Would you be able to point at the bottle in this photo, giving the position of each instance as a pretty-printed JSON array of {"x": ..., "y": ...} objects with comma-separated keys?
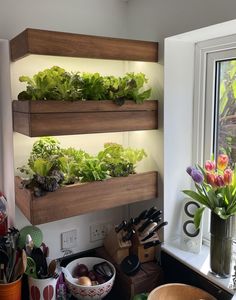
[{"x": 3, "y": 215}]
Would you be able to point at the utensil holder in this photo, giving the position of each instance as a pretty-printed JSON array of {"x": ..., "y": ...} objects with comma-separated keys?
[
  {"x": 115, "y": 246},
  {"x": 11, "y": 291},
  {"x": 42, "y": 289}
]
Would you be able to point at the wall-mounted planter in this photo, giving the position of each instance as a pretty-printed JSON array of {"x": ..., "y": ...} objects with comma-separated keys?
[
  {"x": 79, "y": 199},
  {"x": 42, "y": 118},
  {"x": 44, "y": 42}
]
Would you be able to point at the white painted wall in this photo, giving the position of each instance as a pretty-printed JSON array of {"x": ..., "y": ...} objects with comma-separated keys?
[
  {"x": 158, "y": 19},
  {"x": 96, "y": 17}
]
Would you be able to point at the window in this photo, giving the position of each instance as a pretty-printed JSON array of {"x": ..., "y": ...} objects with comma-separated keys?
[{"x": 215, "y": 104}]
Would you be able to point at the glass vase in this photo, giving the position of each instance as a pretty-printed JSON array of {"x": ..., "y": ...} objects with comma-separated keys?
[{"x": 221, "y": 246}]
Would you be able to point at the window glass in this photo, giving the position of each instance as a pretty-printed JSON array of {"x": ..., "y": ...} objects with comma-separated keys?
[{"x": 225, "y": 125}]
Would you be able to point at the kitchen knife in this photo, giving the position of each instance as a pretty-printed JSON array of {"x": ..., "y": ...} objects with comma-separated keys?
[
  {"x": 151, "y": 244},
  {"x": 128, "y": 235},
  {"x": 151, "y": 211},
  {"x": 121, "y": 226},
  {"x": 156, "y": 214},
  {"x": 129, "y": 225},
  {"x": 151, "y": 227},
  {"x": 145, "y": 225},
  {"x": 161, "y": 225},
  {"x": 142, "y": 216},
  {"x": 151, "y": 233}
]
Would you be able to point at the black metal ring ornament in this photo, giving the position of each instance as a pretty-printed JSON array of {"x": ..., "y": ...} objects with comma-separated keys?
[
  {"x": 186, "y": 208},
  {"x": 186, "y": 231}
]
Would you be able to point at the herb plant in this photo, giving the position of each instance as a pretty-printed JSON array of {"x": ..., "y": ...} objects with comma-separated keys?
[
  {"x": 50, "y": 166},
  {"x": 57, "y": 84}
]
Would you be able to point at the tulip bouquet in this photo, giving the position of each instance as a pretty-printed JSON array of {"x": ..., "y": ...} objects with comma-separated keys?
[{"x": 215, "y": 188}]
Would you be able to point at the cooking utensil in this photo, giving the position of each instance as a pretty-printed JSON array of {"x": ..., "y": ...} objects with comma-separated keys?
[
  {"x": 3, "y": 278},
  {"x": 161, "y": 225},
  {"x": 149, "y": 229},
  {"x": 142, "y": 216},
  {"x": 145, "y": 225},
  {"x": 151, "y": 211},
  {"x": 128, "y": 235},
  {"x": 156, "y": 214},
  {"x": 121, "y": 226},
  {"x": 31, "y": 267},
  {"x": 20, "y": 266},
  {"x": 151, "y": 244},
  {"x": 40, "y": 261},
  {"x": 129, "y": 224},
  {"x": 35, "y": 233},
  {"x": 29, "y": 244}
]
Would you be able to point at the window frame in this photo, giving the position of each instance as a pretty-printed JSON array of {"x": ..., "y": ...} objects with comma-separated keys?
[{"x": 207, "y": 53}]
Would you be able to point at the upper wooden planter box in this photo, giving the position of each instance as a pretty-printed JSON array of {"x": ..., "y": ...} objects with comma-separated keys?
[
  {"x": 35, "y": 41},
  {"x": 42, "y": 118},
  {"x": 77, "y": 199}
]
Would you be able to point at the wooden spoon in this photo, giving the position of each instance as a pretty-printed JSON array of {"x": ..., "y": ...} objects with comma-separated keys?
[{"x": 20, "y": 266}]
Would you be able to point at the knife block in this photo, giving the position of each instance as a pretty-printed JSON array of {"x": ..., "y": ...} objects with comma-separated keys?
[
  {"x": 115, "y": 246},
  {"x": 137, "y": 248}
]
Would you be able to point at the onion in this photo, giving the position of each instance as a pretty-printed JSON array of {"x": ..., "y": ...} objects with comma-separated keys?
[
  {"x": 81, "y": 270},
  {"x": 92, "y": 275},
  {"x": 84, "y": 280}
]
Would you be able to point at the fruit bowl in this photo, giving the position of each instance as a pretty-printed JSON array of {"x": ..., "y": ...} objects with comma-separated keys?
[{"x": 83, "y": 292}]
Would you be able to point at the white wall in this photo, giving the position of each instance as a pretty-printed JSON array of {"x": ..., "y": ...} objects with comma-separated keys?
[
  {"x": 158, "y": 19},
  {"x": 96, "y": 17}
]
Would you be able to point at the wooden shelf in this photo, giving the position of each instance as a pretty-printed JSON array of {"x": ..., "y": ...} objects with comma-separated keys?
[
  {"x": 35, "y": 41},
  {"x": 77, "y": 199},
  {"x": 42, "y": 118}
]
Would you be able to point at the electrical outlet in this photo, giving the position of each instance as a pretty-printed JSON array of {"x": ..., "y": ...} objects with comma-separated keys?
[
  {"x": 99, "y": 231},
  {"x": 69, "y": 239}
]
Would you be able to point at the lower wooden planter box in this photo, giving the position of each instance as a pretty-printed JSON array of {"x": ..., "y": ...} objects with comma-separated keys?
[
  {"x": 77, "y": 199},
  {"x": 42, "y": 118}
]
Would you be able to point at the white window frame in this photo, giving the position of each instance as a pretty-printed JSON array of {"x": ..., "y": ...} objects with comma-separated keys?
[{"x": 207, "y": 53}]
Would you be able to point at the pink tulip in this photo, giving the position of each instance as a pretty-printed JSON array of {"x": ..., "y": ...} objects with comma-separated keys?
[
  {"x": 210, "y": 165},
  {"x": 222, "y": 161},
  {"x": 219, "y": 181},
  {"x": 228, "y": 176},
  {"x": 210, "y": 179}
]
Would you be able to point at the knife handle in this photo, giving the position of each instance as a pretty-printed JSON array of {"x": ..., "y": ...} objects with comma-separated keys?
[
  {"x": 142, "y": 216},
  {"x": 161, "y": 225},
  {"x": 145, "y": 225},
  {"x": 128, "y": 235},
  {"x": 128, "y": 226},
  {"x": 151, "y": 211},
  {"x": 120, "y": 226},
  {"x": 151, "y": 234},
  {"x": 156, "y": 214}
]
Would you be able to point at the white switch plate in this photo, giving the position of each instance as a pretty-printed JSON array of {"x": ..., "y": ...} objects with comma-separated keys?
[{"x": 69, "y": 239}]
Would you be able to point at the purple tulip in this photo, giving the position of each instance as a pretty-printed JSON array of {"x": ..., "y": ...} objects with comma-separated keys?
[
  {"x": 189, "y": 170},
  {"x": 197, "y": 176}
]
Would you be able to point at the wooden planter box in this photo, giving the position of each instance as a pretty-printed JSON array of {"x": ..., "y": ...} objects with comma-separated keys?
[
  {"x": 77, "y": 199},
  {"x": 42, "y": 118}
]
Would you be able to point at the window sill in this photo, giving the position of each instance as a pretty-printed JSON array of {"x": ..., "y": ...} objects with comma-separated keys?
[{"x": 197, "y": 262}]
